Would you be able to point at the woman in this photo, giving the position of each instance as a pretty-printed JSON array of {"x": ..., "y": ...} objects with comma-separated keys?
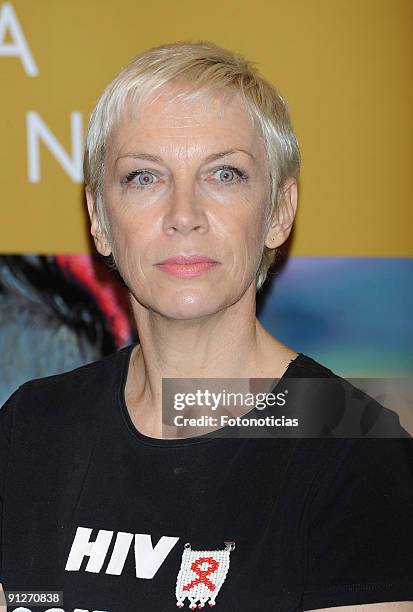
[{"x": 191, "y": 167}]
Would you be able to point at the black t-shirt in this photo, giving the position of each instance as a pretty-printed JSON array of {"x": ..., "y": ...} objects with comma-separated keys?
[{"x": 120, "y": 521}]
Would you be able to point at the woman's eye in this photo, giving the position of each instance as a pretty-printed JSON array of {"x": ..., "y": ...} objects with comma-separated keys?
[
  {"x": 229, "y": 174},
  {"x": 144, "y": 178}
]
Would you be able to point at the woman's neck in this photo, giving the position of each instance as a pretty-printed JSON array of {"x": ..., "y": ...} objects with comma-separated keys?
[{"x": 220, "y": 346}]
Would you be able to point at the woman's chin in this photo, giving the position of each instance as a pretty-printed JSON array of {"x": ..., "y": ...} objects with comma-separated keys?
[{"x": 190, "y": 305}]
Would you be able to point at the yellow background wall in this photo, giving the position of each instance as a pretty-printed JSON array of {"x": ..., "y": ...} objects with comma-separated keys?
[{"x": 345, "y": 67}]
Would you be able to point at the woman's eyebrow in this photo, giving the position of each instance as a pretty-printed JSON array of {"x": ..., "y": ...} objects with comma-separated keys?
[
  {"x": 215, "y": 156},
  {"x": 146, "y": 156},
  {"x": 209, "y": 158}
]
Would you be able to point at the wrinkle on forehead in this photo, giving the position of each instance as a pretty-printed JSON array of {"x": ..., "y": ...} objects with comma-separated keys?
[{"x": 191, "y": 109}]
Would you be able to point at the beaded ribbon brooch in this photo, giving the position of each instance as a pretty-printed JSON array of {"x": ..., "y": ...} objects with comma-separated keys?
[{"x": 201, "y": 575}]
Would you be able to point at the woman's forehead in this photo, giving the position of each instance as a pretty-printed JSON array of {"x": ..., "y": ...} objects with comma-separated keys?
[
  {"x": 181, "y": 100},
  {"x": 166, "y": 115}
]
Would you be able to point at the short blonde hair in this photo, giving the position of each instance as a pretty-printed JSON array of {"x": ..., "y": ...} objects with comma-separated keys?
[{"x": 200, "y": 67}]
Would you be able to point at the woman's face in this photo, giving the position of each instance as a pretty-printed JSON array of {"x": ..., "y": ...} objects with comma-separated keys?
[{"x": 181, "y": 179}]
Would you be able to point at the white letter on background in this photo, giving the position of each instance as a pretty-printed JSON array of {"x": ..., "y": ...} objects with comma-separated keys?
[
  {"x": 19, "y": 46},
  {"x": 120, "y": 552},
  {"x": 148, "y": 560},
  {"x": 82, "y": 547},
  {"x": 37, "y": 130}
]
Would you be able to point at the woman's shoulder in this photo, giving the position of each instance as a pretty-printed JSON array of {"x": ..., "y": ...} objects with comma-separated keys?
[
  {"x": 78, "y": 391},
  {"x": 342, "y": 407},
  {"x": 304, "y": 365}
]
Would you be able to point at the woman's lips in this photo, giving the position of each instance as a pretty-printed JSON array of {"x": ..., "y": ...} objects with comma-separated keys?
[{"x": 187, "y": 266}]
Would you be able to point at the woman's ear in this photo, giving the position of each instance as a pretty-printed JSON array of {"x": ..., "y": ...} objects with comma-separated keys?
[
  {"x": 284, "y": 218},
  {"x": 99, "y": 235}
]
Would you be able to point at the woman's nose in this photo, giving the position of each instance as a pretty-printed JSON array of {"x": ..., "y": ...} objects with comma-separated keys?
[{"x": 185, "y": 211}]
